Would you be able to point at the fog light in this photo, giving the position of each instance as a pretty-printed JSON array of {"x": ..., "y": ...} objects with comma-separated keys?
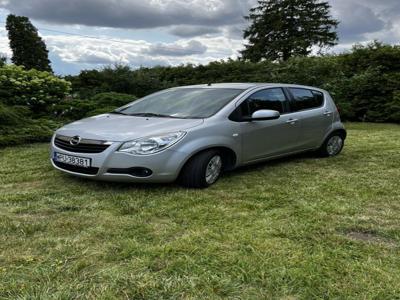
[{"x": 134, "y": 171}]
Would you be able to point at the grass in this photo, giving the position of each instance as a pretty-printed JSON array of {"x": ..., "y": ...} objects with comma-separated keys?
[{"x": 297, "y": 228}]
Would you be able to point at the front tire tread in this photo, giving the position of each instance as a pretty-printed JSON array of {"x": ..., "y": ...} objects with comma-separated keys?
[{"x": 193, "y": 173}]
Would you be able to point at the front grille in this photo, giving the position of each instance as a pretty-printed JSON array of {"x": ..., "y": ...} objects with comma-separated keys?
[
  {"x": 76, "y": 169},
  {"x": 84, "y": 146}
]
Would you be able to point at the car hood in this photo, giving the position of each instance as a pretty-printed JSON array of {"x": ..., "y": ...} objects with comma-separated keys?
[{"x": 119, "y": 128}]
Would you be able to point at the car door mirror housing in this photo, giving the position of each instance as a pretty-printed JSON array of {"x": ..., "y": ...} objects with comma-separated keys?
[{"x": 264, "y": 115}]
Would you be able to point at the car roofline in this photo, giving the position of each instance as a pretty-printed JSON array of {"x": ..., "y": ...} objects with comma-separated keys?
[{"x": 249, "y": 86}]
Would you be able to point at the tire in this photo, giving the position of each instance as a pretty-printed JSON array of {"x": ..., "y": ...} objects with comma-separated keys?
[
  {"x": 194, "y": 173},
  {"x": 332, "y": 146}
]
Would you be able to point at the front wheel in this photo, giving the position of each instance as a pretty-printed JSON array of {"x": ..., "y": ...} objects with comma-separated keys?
[
  {"x": 202, "y": 170},
  {"x": 332, "y": 146}
]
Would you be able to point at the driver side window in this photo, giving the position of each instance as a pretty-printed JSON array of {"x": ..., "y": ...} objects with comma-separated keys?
[{"x": 273, "y": 99}]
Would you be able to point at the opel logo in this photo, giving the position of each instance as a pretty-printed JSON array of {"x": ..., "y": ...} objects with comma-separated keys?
[{"x": 75, "y": 140}]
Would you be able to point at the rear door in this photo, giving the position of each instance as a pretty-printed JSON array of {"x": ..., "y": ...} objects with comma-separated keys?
[
  {"x": 262, "y": 139},
  {"x": 312, "y": 111}
]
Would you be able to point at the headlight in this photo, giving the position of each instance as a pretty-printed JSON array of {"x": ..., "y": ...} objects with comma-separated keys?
[{"x": 153, "y": 144}]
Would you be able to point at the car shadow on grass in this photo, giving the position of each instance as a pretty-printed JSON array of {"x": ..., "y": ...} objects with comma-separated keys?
[{"x": 248, "y": 169}]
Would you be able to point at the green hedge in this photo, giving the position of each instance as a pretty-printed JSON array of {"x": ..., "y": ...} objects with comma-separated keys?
[
  {"x": 39, "y": 130},
  {"x": 74, "y": 109},
  {"x": 365, "y": 82},
  {"x": 17, "y": 127}
]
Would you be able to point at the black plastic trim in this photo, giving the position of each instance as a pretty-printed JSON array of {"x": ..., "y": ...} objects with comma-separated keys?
[
  {"x": 76, "y": 169},
  {"x": 134, "y": 171}
]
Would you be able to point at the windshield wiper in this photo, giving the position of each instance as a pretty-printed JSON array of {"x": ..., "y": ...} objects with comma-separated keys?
[{"x": 152, "y": 115}]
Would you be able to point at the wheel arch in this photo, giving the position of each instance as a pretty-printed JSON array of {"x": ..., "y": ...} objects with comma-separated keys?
[
  {"x": 229, "y": 157},
  {"x": 340, "y": 131}
]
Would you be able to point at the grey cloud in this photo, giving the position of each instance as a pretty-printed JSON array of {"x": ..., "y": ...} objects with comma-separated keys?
[
  {"x": 132, "y": 13},
  {"x": 235, "y": 31},
  {"x": 94, "y": 58},
  {"x": 357, "y": 18},
  {"x": 191, "y": 31},
  {"x": 190, "y": 18},
  {"x": 192, "y": 48}
]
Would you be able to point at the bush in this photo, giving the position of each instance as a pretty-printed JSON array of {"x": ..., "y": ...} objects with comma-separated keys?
[
  {"x": 28, "y": 131},
  {"x": 118, "y": 78},
  {"x": 74, "y": 109},
  {"x": 392, "y": 108},
  {"x": 364, "y": 82},
  {"x": 34, "y": 89},
  {"x": 112, "y": 99},
  {"x": 16, "y": 127},
  {"x": 12, "y": 115}
]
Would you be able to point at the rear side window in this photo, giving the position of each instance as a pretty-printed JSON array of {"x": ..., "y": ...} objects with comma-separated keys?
[
  {"x": 273, "y": 99},
  {"x": 306, "y": 99}
]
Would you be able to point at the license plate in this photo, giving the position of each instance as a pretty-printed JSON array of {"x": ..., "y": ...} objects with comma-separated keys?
[{"x": 73, "y": 160}]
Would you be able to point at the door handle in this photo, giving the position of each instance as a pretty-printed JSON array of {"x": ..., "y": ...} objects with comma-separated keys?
[
  {"x": 327, "y": 113},
  {"x": 291, "y": 121}
]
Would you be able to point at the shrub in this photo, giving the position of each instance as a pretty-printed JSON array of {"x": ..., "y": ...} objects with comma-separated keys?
[
  {"x": 74, "y": 109},
  {"x": 35, "y": 89},
  {"x": 392, "y": 108},
  {"x": 16, "y": 127},
  {"x": 112, "y": 99},
  {"x": 28, "y": 131},
  {"x": 12, "y": 115},
  {"x": 364, "y": 82}
]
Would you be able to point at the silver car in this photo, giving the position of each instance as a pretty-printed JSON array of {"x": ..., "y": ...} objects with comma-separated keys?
[{"x": 195, "y": 133}]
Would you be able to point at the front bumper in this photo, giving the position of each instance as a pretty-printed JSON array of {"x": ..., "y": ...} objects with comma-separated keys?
[{"x": 165, "y": 166}]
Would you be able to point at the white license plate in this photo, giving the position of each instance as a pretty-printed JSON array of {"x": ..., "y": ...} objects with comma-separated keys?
[{"x": 73, "y": 160}]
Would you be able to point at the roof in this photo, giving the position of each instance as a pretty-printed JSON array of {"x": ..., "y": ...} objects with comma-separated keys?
[
  {"x": 241, "y": 86},
  {"x": 246, "y": 86}
]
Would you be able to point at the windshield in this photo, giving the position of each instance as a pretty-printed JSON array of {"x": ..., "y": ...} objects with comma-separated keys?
[{"x": 182, "y": 103}]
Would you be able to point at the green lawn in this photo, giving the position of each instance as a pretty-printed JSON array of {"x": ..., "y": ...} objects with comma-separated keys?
[{"x": 297, "y": 228}]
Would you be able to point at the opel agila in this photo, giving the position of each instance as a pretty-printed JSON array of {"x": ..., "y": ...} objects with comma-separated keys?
[{"x": 194, "y": 133}]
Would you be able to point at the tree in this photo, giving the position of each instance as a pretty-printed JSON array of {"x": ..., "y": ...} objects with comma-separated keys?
[
  {"x": 28, "y": 48},
  {"x": 3, "y": 60},
  {"x": 281, "y": 29}
]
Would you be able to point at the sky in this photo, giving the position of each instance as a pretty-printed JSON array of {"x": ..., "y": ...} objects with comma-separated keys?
[{"x": 89, "y": 34}]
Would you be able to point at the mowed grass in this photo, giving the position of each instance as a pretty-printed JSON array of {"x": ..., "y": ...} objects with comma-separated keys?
[{"x": 297, "y": 228}]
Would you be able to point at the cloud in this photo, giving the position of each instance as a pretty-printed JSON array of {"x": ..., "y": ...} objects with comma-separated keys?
[
  {"x": 93, "y": 53},
  {"x": 192, "y": 31},
  {"x": 235, "y": 31},
  {"x": 193, "y": 18},
  {"x": 356, "y": 20},
  {"x": 191, "y": 48},
  {"x": 132, "y": 13},
  {"x": 4, "y": 48}
]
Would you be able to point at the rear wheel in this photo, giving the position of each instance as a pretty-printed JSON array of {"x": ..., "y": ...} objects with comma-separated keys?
[
  {"x": 202, "y": 170},
  {"x": 332, "y": 146}
]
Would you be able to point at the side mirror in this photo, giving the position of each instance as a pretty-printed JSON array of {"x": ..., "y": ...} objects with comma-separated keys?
[{"x": 264, "y": 115}]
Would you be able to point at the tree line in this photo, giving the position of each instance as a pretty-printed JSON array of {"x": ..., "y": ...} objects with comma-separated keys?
[{"x": 365, "y": 82}]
